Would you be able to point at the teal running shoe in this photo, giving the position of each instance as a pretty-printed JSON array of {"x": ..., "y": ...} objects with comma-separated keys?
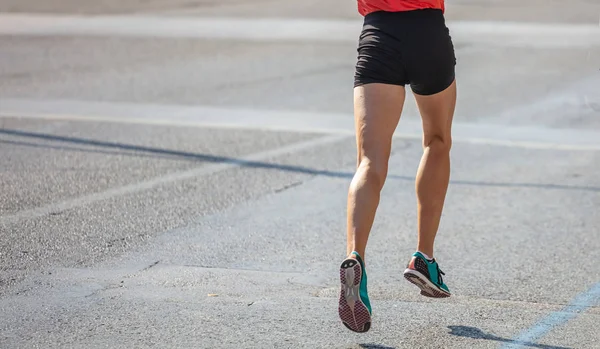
[
  {"x": 426, "y": 275},
  {"x": 354, "y": 306}
]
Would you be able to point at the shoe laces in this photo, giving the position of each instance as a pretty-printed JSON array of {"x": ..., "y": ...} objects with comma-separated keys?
[{"x": 440, "y": 273}]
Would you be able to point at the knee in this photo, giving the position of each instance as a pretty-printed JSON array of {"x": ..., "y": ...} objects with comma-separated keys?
[
  {"x": 438, "y": 143},
  {"x": 372, "y": 173}
]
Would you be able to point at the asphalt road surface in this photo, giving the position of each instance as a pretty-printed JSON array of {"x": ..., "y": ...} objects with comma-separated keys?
[{"x": 173, "y": 174}]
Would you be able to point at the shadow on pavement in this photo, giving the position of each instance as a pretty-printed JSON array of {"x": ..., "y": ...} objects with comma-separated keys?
[
  {"x": 475, "y": 333},
  {"x": 176, "y": 154},
  {"x": 374, "y": 346}
]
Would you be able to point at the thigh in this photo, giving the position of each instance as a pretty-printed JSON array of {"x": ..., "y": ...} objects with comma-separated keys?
[
  {"x": 437, "y": 112},
  {"x": 377, "y": 110},
  {"x": 431, "y": 65}
]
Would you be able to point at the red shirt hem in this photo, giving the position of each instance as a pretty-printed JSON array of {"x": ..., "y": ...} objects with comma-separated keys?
[{"x": 368, "y": 6}]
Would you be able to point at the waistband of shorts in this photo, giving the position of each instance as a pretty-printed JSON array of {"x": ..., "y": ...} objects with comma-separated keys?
[{"x": 420, "y": 13}]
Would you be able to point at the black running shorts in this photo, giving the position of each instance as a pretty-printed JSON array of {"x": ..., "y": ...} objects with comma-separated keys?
[{"x": 411, "y": 47}]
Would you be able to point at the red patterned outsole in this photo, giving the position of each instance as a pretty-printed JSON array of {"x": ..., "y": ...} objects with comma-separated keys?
[
  {"x": 426, "y": 290},
  {"x": 358, "y": 320}
]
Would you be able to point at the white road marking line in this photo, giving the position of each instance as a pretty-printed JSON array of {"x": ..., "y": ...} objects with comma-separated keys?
[
  {"x": 279, "y": 29},
  {"x": 294, "y": 121},
  {"x": 169, "y": 178},
  {"x": 578, "y": 305},
  {"x": 174, "y": 122}
]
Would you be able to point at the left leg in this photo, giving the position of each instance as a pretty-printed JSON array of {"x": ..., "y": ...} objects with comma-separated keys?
[
  {"x": 377, "y": 109},
  {"x": 377, "y": 112},
  {"x": 379, "y": 95}
]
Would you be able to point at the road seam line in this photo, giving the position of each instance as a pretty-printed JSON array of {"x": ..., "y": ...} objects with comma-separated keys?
[
  {"x": 166, "y": 179},
  {"x": 540, "y": 145}
]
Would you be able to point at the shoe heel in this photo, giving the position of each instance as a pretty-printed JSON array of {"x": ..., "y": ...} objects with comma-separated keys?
[{"x": 353, "y": 313}]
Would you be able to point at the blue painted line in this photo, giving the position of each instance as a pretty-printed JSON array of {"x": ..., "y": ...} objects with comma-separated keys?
[{"x": 579, "y": 304}]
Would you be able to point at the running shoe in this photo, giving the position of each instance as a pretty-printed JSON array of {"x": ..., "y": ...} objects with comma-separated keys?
[
  {"x": 354, "y": 306},
  {"x": 426, "y": 275}
]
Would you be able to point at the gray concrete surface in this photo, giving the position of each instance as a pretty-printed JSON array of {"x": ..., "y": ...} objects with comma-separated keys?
[{"x": 189, "y": 192}]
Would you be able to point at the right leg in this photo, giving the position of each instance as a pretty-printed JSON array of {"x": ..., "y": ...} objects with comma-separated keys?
[
  {"x": 431, "y": 64},
  {"x": 437, "y": 111},
  {"x": 433, "y": 174},
  {"x": 377, "y": 109}
]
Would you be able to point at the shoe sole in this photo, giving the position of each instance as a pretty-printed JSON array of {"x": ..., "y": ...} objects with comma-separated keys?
[
  {"x": 353, "y": 312},
  {"x": 428, "y": 288}
]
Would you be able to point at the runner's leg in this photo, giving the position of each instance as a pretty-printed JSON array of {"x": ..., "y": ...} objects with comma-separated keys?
[
  {"x": 377, "y": 112},
  {"x": 433, "y": 174}
]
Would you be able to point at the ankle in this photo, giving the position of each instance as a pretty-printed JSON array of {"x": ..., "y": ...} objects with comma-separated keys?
[
  {"x": 428, "y": 256},
  {"x": 355, "y": 253}
]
